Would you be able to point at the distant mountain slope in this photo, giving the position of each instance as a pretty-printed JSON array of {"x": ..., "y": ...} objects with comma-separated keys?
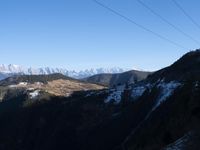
[
  {"x": 3, "y": 76},
  {"x": 55, "y": 84},
  {"x": 16, "y": 79},
  {"x": 120, "y": 78},
  {"x": 8, "y": 70}
]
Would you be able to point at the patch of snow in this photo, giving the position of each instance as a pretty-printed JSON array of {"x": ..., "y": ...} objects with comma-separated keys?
[
  {"x": 120, "y": 88},
  {"x": 30, "y": 89},
  {"x": 23, "y": 83},
  {"x": 68, "y": 94},
  {"x": 90, "y": 94},
  {"x": 116, "y": 96},
  {"x": 112, "y": 90},
  {"x": 18, "y": 85},
  {"x": 167, "y": 90},
  {"x": 34, "y": 94},
  {"x": 180, "y": 143},
  {"x": 196, "y": 84},
  {"x": 138, "y": 91},
  {"x": 12, "y": 86},
  {"x": 38, "y": 83}
]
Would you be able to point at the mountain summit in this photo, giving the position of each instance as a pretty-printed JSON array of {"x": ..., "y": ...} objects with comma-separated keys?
[{"x": 187, "y": 67}]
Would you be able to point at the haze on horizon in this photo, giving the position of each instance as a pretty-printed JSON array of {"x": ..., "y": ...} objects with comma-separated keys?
[{"x": 79, "y": 34}]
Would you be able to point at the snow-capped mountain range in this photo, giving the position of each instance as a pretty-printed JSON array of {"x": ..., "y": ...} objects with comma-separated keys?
[{"x": 16, "y": 69}]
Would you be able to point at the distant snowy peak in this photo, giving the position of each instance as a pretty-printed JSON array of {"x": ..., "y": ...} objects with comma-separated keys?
[
  {"x": 10, "y": 68},
  {"x": 16, "y": 69}
]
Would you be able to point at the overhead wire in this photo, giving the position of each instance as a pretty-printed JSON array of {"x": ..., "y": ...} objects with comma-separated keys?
[
  {"x": 186, "y": 14},
  {"x": 168, "y": 22},
  {"x": 138, "y": 25}
]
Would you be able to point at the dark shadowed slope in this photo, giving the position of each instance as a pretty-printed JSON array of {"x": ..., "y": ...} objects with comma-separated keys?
[
  {"x": 173, "y": 120},
  {"x": 120, "y": 78}
]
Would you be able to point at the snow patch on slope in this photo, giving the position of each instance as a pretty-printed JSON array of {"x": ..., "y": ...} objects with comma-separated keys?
[
  {"x": 34, "y": 94},
  {"x": 167, "y": 90},
  {"x": 196, "y": 84},
  {"x": 138, "y": 90},
  {"x": 23, "y": 83},
  {"x": 180, "y": 144},
  {"x": 116, "y": 95}
]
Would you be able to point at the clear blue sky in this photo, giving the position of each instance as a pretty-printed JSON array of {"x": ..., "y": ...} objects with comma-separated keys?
[{"x": 79, "y": 34}]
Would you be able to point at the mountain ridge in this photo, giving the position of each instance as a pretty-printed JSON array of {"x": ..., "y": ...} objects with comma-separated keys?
[
  {"x": 6, "y": 70},
  {"x": 53, "y": 84},
  {"x": 128, "y": 77}
]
